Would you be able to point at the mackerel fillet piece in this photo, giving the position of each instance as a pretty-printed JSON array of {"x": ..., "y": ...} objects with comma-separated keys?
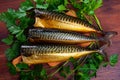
[
  {"x": 56, "y": 36},
  {"x": 53, "y": 20},
  {"x": 46, "y": 53}
]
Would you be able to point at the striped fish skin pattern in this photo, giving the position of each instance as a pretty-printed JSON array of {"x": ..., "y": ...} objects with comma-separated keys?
[
  {"x": 46, "y": 53},
  {"x": 55, "y": 36},
  {"x": 48, "y": 19}
]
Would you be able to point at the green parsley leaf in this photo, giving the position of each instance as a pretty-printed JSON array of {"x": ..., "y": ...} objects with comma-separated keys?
[
  {"x": 91, "y": 12},
  {"x": 20, "y": 36},
  {"x": 39, "y": 1},
  {"x": 63, "y": 74},
  {"x": 61, "y": 7},
  {"x": 22, "y": 66},
  {"x": 97, "y": 4},
  {"x": 82, "y": 76},
  {"x": 105, "y": 64},
  {"x": 85, "y": 68},
  {"x": 13, "y": 52},
  {"x": 11, "y": 67},
  {"x": 85, "y": 1},
  {"x": 40, "y": 4},
  {"x": 44, "y": 6},
  {"x": 113, "y": 59},
  {"x": 14, "y": 29},
  {"x": 8, "y": 40},
  {"x": 66, "y": 69},
  {"x": 53, "y": 4},
  {"x": 20, "y": 14},
  {"x": 43, "y": 72},
  {"x": 66, "y": 2},
  {"x": 27, "y": 5},
  {"x": 10, "y": 54},
  {"x": 24, "y": 22},
  {"x": 8, "y": 17},
  {"x": 92, "y": 67},
  {"x": 26, "y": 75},
  {"x": 73, "y": 61}
]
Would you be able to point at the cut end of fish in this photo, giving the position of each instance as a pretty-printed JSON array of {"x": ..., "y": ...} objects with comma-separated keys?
[{"x": 38, "y": 23}]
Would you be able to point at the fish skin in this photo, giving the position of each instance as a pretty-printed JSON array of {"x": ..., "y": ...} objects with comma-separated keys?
[
  {"x": 46, "y": 53},
  {"x": 53, "y": 20},
  {"x": 55, "y": 36}
]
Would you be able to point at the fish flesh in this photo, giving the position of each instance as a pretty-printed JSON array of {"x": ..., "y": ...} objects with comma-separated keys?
[
  {"x": 46, "y": 53},
  {"x": 56, "y": 36},
  {"x": 54, "y": 20}
]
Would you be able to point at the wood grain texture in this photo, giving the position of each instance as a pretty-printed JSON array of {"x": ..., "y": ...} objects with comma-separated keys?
[{"x": 109, "y": 16}]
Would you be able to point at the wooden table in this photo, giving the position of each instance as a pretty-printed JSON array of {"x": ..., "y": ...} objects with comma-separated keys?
[{"x": 109, "y": 16}]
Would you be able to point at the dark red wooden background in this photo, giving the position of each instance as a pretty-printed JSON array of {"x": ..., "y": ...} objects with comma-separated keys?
[{"x": 109, "y": 16}]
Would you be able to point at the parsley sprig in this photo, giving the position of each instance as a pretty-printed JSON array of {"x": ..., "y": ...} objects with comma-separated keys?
[{"x": 17, "y": 22}]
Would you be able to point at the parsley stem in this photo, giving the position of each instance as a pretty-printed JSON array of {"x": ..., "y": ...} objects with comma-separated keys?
[
  {"x": 72, "y": 71},
  {"x": 80, "y": 63},
  {"x": 98, "y": 22},
  {"x": 58, "y": 69},
  {"x": 83, "y": 60}
]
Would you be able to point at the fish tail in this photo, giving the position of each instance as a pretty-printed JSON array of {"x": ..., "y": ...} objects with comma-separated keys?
[
  {"x": 107, "y": 36},
  {"x": 101, "y": 49},
  {"x": 110, "y": 34},
  {"x": 103, "y": 52}
]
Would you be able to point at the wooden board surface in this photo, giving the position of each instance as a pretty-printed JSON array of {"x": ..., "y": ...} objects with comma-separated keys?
[{"x": 109, "y": 16}]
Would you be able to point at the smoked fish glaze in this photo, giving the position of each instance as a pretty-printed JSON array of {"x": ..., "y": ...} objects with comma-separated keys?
[
  {"x": 53, "y": 20},
  {"x": 55, "y": 36},
  {"x": 46, "y": 53}
]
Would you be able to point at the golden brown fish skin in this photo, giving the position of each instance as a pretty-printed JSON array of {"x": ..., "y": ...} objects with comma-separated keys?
[
  {"x": 52, "y": 53},
  {"x": 47, "y": 19},
  {"x": 55, "y": 36}
]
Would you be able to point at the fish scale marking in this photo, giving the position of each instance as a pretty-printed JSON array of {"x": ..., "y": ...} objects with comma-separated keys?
[
  {"x": 48, "y": 19},
  {"x": 38, "y": 35}
]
